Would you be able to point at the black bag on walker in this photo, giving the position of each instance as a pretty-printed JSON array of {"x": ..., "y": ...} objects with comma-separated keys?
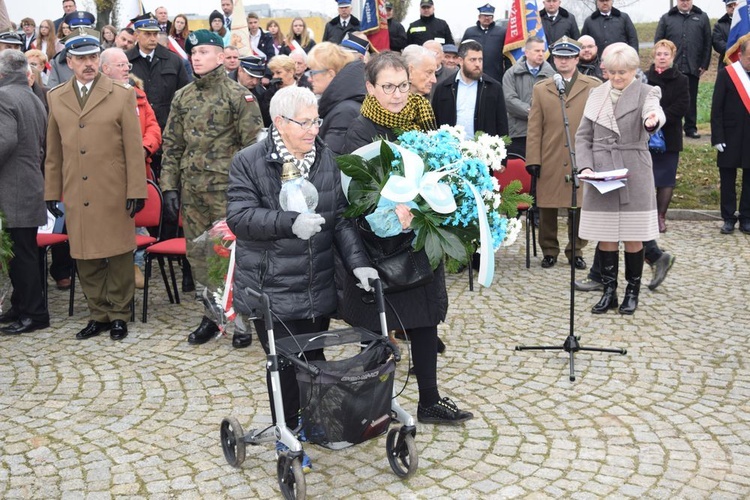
[{"x": 349, "y": 401}]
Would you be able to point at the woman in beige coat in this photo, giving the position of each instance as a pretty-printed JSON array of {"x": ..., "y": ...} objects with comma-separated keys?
[{"x": 614, "y": 132}]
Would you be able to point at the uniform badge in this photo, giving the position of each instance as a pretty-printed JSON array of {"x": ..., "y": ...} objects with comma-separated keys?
[
  {"x": 193, "y": 39},
  {"x": 249, "y": 98}
]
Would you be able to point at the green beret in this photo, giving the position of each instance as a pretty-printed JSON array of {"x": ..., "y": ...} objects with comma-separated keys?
[{"x": 203, "y": 37}]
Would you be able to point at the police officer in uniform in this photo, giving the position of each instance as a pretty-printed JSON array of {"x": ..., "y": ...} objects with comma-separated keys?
[
  {"x": 250, "y": 73},
  {"x": 211, "y": 119}
]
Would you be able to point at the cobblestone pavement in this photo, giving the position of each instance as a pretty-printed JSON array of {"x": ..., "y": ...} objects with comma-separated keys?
[{"x": 671, "y": 419}]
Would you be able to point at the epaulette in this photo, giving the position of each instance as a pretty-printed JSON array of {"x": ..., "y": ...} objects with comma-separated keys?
[
  {"x": 56, "y": 87},
  {"x": 123, "y": 84}
]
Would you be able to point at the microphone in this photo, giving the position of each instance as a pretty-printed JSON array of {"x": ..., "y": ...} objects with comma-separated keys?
[{"x": 559, "y": 82}]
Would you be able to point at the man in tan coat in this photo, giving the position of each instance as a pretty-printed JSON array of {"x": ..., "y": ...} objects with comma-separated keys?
[
  {"x": 546, "y": 153},
  {"x": 95, "y": 165}
]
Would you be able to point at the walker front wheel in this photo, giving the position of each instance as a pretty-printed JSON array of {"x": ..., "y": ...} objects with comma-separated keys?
[
  {"x": 232, "y": 441},
  {"x": 291, "y": 479},
  {"x": 402, "y": 453}
]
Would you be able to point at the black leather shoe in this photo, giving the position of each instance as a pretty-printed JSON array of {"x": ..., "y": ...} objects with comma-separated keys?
[
  {"x": 24, "y": 325},
  {"x": 119, "y": 330},
  {"x": 204, "y": 332},
  {"x": 745, "y": 227},
  {"x": 579, "y": 263},
  {"x": 693, "y": 135},
  {"x": 240, "y": 340},
  {"x": 9, "y": 317},
  {"x": 548, "y": 261},
  {"x": 661, "y": 267},
  {"x": 93, "y": 329},
  {"x": 727, "y": 228}
]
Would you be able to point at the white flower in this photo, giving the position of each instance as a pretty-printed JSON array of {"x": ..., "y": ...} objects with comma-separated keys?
[{"x": 512, "y": 232}]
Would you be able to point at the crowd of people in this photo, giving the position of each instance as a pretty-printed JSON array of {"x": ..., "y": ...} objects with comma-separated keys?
[{"x": 212, "y": 126}]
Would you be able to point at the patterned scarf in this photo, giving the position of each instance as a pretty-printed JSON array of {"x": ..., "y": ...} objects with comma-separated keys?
[
  {"x": 416, "y": 115},
  {"x": 303, "y": 164}
]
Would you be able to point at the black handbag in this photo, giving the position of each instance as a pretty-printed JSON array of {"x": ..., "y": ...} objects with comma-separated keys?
[{"x": 399, "y": 266}]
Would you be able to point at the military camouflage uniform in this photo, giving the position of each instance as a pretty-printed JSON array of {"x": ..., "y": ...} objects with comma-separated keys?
[{"x": 211, "y": 119}]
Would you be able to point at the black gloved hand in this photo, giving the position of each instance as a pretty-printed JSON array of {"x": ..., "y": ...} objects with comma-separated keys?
[
  {"x": 171, "y": 205},
  {"x": 134, "y": 205},
  {"x": 534, "y": 170},
  {"x": 52, "y": 207}
]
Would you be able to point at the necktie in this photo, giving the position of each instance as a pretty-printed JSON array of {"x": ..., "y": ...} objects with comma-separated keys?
[
  {"x": 150, "y": 58},
  {"x": 84, "y": 92},
  {"x": 229, "y": 23},
  {"x": 552, "y": 18},
  {"x": 534, "y": 71},
  {"x": 343, "y": 24}
]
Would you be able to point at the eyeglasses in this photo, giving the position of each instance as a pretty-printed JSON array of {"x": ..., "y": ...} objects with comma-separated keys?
[
  {"x": 307, "y": 124},
  {"x": 313, "y": 72},
  {"x": 123, "y": 65},
  {"x": 390, "y": 88}
]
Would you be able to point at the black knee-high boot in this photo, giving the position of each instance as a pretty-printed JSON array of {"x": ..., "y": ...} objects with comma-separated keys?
[
  {"x": 609, "y": 269},
  {"x": 633, "y": 272}
]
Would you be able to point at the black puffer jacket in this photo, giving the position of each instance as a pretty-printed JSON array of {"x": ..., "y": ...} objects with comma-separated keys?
[
  {"x": 296, "y": 274},
  {"x": 675, "y": 100},
  {"x": 340, "y": 104}
]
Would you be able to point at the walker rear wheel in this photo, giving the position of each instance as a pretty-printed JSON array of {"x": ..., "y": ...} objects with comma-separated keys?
[
  {"x": 402, "y": 453},
  {"x": 232, "y": 441},
  {"x": 291, "y": 479}
]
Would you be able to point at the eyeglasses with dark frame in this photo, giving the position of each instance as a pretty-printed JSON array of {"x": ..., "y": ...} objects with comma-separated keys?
[
  {"x": 390, "y": 88},
  {"x": 307, "y": 124}
]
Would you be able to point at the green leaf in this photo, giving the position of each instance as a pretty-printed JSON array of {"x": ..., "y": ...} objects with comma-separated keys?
[
  {"x": 386, "y": 161},
  {"x": 357, "y": 168}
]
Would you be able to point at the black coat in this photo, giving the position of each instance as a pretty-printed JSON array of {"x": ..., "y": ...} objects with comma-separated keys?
[
  {"x": 730, "y": 124},
  {"x": 419, "y": 307},
  {"x": 675, "y": 100},
  {"x": 265, "y": 44},
  {"x": 340, "y": 103},
  {"x": 490, "y": 115},
  {"x": 296, "y": 274},
  {"x": 565, "y": 24},
  {"x": 592, "y": 68},
  {"x": 606, "y": 30},
  {"x": 286, "y": 49},
  {"x": 428, "y": 28},
  {"x": 334, "y": 33},
  {"x": 165, "y": 76},
  {"x": 691, "y": 34},
  {"x": 396, "y": 35},
  {"x": 719, "y": 37},
  {"x": 492, "y": 41}
]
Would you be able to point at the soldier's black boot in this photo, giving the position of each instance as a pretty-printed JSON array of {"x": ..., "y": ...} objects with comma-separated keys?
[
  {"x": 204, "y": 332},
  {"x": 633, "y": 272},
  {"x": 188, "y": 285},
  {"x": 609, "y": 269}
]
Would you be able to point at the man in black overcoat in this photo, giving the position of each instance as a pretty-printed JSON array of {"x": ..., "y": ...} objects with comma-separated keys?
[{"x": 730, "y": 136}]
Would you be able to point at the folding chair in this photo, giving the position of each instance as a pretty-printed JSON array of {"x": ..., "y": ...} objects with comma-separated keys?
[
  {"x": 515, "y": 169},
  {"x": 170, "y": 249},
  {"x": 149, "y": 217}
]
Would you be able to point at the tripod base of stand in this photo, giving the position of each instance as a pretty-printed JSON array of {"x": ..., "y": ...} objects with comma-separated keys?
[{"x": 571, "y": 346}]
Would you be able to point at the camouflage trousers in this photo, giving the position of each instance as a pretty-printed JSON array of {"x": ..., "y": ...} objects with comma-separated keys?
[{"x": 199, "y": 212}]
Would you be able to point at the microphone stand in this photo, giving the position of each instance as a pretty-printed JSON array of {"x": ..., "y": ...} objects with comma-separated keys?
[{"x": 571, "y": 344}]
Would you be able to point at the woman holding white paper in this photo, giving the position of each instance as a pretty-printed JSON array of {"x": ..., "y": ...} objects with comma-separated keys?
[{"x": 614, "y": 132}]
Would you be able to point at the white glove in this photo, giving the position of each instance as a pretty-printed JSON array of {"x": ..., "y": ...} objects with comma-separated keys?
[
  {"x": 306, "y": 225},
  {"x": 364, "y": 275},
  {"x": 720, "y": 147}
]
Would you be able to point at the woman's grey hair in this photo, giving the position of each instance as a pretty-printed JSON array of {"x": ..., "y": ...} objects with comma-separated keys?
[
  {"x": 415, "y": 54},
  {"x": 290, "y": 100},
  {"x": 621, "y": 56},
  {"x": 12, "y": 62}
]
